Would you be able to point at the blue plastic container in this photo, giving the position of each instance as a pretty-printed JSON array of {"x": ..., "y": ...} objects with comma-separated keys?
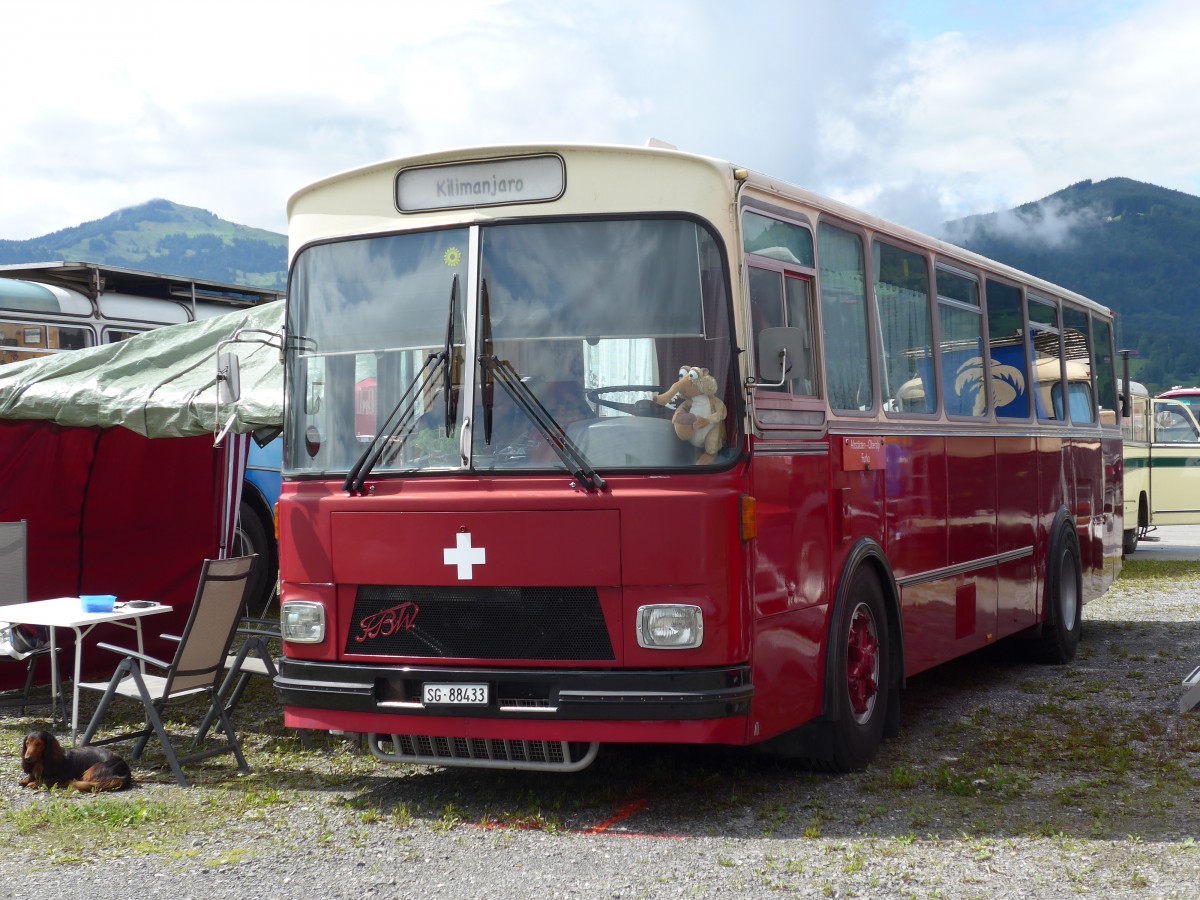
[{"x": 98, "y": 602}]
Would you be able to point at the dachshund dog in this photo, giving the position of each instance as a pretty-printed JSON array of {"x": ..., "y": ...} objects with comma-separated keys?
[{"x": 46, "y": 762}]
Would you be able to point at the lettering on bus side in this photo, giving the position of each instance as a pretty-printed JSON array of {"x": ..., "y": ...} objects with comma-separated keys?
[
  {"x": 863, "y": 454},
  {"x": 389, "y": 621}
]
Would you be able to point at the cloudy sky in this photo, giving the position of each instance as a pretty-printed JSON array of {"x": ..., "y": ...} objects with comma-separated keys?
[{"x": 916, "y": 110}]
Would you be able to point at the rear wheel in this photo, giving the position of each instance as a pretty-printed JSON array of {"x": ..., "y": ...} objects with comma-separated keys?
[
  {"x": 1064, "y": 598},
  {"x": 1130, "y": 541},
  {"x": 862, "y": 669},
  {"x": 252, "y": 537}
]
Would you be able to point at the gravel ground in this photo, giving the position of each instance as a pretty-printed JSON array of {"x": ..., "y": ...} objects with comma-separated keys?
[{"x": 1009, "y": 779}]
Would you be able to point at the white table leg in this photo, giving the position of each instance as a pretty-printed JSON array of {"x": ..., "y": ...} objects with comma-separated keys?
[
  {"x": 75, "y": 686},
  {"x": 55, "y": 682}
]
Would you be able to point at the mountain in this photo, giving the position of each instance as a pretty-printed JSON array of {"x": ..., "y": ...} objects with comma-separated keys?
[
  {"x": 161, "y": 236},
  {"x": 1132, "y": 246}
]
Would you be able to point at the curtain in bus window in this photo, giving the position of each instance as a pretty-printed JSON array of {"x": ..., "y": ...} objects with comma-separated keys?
[
  {"x": 905, "y": 330},
  {"x": 619, "y": 361},
  {"x": 634, "y": 278},
  {"x": 844, "y": 307}
]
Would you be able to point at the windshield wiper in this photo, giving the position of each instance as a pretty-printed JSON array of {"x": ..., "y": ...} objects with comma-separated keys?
[
  {"x": 400, "y": 419},
  {"x": 449, "y": 399},
  {"x": 487, "y": 388},
  {"x": 399, "y": 422},
  {"x": 493, "y": 370},
  {"x": 566, "y": 449}
]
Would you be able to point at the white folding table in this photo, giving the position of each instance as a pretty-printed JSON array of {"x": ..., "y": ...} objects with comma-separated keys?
[{"x": 67, "y": 612}]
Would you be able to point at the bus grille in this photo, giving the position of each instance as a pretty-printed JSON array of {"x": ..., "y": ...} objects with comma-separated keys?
[
  {"x": 544, "y": 623},
  {"x": 488, "y": 753}
]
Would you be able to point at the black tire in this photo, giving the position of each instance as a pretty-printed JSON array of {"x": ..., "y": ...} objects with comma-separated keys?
[
  {"x": 1129, "y": 541},
  {"x": 252, "y": 536},
  {"x": 862, "y": 672},
  {"x": 1063, "y": 598}
]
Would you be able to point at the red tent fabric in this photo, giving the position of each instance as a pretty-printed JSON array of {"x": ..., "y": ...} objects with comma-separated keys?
[{"x": 111, "y": 512}]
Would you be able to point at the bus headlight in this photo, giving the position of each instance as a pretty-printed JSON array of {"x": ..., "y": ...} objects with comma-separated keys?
[
  {"x": 302, "y": 622},
  {"x": 670, "y": 626}
]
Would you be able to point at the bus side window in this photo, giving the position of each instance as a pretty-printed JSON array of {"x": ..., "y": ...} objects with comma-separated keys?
[
  {"x": 778, "y": 299},
  {"x": 1173, "y": 424},
  {"x": 1047, "y": 359},
  {"x": 905, "y": 330},
  {"x": 1009, "y": 375},
  {"x": 961, "y": 322},
  {"x": 1080, "y": 367},
  {"x": 1106, "y": 374},
  {"x": 844, "y": 309}
]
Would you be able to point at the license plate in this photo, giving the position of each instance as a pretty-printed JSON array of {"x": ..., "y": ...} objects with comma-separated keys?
[{"x": 454, "y": 694}]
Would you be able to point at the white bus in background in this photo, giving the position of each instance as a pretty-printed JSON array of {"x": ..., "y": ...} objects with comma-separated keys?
[
  {"x": 1162, "y": 463},
  {"x": 51, "y": 307}
]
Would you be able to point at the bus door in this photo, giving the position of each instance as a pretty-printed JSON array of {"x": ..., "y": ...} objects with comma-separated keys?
[{"x": 789, "y": 565}]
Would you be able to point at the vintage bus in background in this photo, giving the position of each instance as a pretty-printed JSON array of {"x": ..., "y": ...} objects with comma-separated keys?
[
  {"x": 666, "y": 450},
  {"x": 1162, "y": 460},
  {"x": 50, "y": 307}
]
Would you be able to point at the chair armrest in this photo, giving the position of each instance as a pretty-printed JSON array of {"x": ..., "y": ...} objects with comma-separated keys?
[
  {"x": 133, "y": 654},
  {"x": 262, "y": 627}
]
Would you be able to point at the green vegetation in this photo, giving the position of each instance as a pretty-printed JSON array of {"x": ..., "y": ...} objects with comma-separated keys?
[
  {"x": 1128, "y": 245},
  {"x": 165, "y": 237}
]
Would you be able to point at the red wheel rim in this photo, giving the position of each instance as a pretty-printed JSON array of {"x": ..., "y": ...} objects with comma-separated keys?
[{"x": 862, "y": 663}]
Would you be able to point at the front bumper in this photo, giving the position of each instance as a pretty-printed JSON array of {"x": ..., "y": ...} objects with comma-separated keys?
[{"x": 521, "y": 694}]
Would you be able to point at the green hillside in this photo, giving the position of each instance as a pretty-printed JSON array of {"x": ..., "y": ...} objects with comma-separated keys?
[
  {"x": 1134, "y": 247},
  {"x": 165, "y": 237}
]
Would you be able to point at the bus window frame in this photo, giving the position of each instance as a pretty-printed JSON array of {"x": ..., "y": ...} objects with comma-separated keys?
[{"x": 1036, "y": 328}]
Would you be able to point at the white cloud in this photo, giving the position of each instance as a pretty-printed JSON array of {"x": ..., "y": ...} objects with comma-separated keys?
[{"x": 241, "y": 104}]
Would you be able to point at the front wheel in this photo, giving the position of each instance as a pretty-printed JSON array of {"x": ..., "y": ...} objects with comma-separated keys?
[{"x": 862, "y": 667}]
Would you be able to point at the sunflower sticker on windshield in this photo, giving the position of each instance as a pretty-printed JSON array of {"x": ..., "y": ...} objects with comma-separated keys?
[{"x": 452, "y": 257}]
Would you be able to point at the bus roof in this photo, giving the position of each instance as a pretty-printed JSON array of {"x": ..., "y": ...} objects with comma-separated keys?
[
  {"x": 94, "y": 278},
  {"x": 765, "y": 185}
]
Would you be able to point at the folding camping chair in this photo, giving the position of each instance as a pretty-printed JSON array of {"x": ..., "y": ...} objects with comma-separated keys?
[
  {"x": 196, "y": 668},
  {"x": 14, "y": 589},
  {"x": 252, "y": 658}
]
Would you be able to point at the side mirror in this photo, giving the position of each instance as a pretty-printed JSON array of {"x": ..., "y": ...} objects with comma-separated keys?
[
  {"x": 782, "y": 353},
  {"x": 229, "y": 377}
]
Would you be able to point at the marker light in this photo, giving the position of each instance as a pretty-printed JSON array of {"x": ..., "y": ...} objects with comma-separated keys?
[
  {"x": 302, "y": 622},
  {"x": 670, "y": 626}
]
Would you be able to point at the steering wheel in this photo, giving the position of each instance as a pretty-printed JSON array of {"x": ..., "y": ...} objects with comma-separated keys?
[{"x": 645, "y": 407}]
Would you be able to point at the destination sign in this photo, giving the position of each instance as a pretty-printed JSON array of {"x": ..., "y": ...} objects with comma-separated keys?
[{"x": 496, "y": 182}]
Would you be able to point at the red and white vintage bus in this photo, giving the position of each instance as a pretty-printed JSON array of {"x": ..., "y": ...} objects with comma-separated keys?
[{"x": 666, "y": 450}]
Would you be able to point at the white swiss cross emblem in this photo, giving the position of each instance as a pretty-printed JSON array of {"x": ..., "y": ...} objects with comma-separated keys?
[{"x": 463, "y": 555}]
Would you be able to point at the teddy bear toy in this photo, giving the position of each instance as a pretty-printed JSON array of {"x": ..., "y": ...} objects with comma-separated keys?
[{"x": 700, "y": 417}]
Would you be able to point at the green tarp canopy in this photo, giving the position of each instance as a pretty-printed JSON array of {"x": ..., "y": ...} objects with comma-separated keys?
[{"x": 159, "y": 384}]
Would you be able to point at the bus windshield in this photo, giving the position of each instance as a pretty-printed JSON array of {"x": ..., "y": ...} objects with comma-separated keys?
[{"x": 532, "y": 345}]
